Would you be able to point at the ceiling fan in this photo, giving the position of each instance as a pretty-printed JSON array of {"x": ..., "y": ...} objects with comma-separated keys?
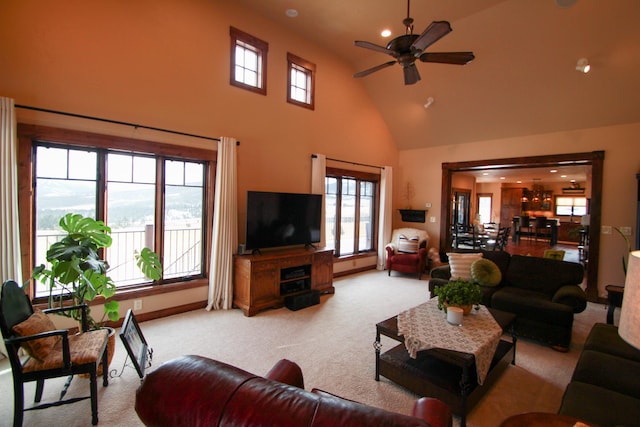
[{"x": 409, "y": 47}]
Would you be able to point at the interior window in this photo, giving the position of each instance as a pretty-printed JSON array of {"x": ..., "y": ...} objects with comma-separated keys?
[
  {"x": 484, "y": 208},
  {"x": 350, "y": 211},
  {"x": 248, "y": 62},
  {"x": 301, "y": 81},
  {"x": 571, "y": 206},
  {"x": 137, "y": 191}
]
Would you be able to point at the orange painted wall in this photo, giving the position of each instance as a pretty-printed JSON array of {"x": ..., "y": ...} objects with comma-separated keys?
[{"x": 165, "y": 63}]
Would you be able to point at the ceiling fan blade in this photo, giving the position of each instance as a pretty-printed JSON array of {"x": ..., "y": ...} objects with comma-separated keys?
[
  {"x": 411, "y": 75},
  {"x": 434, "y": 32},
  {"x": 373, "y": 46},
  {"x": 457, "y": 58},
  {"x": 374, "y": 69}
]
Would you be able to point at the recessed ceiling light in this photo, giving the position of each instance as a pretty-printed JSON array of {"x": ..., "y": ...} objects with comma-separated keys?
[
  {"x": 519, "y": 182},
  {"x": 385, "y": 33},
  {"x": 291, "y": 13},
  {"x": 502, "y": 177},
  {"x": 583, "y": 65},
  {"x": 565, "y": 3},
  {"x": 553, "y": 170},
  {"x": 563, "y": 176},
  {"x": 485, "y": 173}
]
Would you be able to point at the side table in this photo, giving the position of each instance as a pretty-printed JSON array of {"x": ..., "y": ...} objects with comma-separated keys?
[{"x": 614, "y": 295}]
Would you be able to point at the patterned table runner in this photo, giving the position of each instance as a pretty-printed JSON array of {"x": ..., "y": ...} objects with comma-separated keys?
[{"x": 425, "y": 327}]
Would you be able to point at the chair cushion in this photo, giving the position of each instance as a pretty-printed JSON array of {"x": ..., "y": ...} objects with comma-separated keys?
[
  {"x": 84, "y": 348},
  {"x": 37, "y": 323},
  {"x": 408, "y": 244},
  {"x": 460, "y": 264},
  {"x": 486, "y": 272}
]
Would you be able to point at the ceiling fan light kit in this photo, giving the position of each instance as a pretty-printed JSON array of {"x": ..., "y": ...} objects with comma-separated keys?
[{"x": 406, "y": 49}]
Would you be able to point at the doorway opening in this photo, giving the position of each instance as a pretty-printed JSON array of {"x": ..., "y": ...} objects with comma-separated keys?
[{"x": 595, "y": 159}]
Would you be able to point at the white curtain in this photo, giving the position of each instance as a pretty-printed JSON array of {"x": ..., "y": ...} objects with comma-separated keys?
[
  {"x": 225, "y": 228},
  {"x": 318, "y": 174},
  {"x": 10, "y": 261},
  {"x": 384, "y": 229}
]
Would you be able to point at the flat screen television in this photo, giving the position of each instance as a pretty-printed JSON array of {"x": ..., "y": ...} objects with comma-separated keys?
[{"x": 282, "y": 219}]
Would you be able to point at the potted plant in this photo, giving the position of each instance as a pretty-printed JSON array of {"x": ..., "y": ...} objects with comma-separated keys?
[
  {"x": 77, "y": 275},
  {"x": 460, "y": 293}
]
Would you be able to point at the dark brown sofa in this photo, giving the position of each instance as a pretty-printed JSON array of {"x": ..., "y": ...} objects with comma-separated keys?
[
  {"x": 197, "y": 391},
  {"x": 604, "y": 389},
  {"x": 543, "y": 293}
]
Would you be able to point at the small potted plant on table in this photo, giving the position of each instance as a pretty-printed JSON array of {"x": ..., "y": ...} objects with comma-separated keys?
[{"x": 459, "y": 293}]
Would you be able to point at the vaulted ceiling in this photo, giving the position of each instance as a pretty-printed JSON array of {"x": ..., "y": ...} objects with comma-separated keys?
[{"x": 522, "y": 82}]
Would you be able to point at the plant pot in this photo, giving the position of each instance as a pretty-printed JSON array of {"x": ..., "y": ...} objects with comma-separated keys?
[{"x": 466, "y": 309}]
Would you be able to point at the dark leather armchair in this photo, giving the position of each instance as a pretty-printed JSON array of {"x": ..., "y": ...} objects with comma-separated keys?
[
  {"x": 197, "y": 391},
  {"x": 407, "y": 251},
  {"x": 52, "y": 352}
]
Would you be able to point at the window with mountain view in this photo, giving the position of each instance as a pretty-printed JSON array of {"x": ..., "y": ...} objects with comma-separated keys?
[{"x": 147, "y": 200}]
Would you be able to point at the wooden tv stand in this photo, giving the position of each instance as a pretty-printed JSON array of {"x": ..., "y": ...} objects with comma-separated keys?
[{"x": 263, "y": 281}]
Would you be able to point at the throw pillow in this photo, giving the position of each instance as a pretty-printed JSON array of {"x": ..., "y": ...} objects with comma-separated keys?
[
  {"x": 460, "y": 264},
  {"x": 486, "y": 272},
  {"x": 408, "y": 245},
  {"x": 37, "y": 323}
]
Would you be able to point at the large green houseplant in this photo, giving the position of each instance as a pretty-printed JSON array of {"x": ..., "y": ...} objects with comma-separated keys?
[
  {"x": 78, "y": 275},
  {"x": 459, "y": 293}
]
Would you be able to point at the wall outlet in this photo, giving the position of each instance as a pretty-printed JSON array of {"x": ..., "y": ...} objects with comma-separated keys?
[
  {"x": 427, "y": 205},
  {"x": 625, "y": 231},
  {"x": 137, "y": 304},
  {"x": 605, "y": 229},
  {"x": 432, "y": 219}
]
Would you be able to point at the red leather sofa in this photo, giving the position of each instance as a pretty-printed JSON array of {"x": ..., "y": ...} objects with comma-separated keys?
[{"x": 197, "y": 391}]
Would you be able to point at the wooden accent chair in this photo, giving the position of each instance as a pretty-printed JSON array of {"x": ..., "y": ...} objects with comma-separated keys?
[
  {"x": 52, "y": 352},
  {"x": 407, "y": 251}
]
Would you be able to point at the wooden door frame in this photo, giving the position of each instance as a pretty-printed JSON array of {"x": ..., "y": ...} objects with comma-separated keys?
[{"x": 593, "y": 158}]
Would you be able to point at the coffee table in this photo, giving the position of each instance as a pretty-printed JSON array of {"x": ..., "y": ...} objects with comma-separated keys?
[
  {"x": 542, "y": 419},
  {"x": 444, "y": 374}
]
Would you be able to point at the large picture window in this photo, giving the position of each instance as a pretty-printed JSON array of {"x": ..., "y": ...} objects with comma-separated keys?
[
  {"x": 351, "y": 211},
  {"x": 158, "y": 200}
]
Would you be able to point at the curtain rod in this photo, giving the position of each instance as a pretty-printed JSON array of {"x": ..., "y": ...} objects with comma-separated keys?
[
  {"x": 351, "y": 163},
  {"x": 117, "y": 122}
]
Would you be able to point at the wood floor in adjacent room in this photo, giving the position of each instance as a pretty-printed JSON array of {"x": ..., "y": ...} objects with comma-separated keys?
[{"x": 537, "y": 247}]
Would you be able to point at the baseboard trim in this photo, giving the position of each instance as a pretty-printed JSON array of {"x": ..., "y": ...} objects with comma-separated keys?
[
  {"x": 169, "y": 311},
  {"x": 353, "y": 271}
]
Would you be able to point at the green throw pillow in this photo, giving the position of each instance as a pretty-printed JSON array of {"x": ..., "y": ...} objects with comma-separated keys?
[{"x": 486, "y": 272}]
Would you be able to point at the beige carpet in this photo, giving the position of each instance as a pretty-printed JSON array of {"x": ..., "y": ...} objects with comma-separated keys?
[{"x": 331, "y": 341}]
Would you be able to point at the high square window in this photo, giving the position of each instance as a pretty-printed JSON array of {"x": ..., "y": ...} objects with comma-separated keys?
[
  {"x": 301, "y": 81},
  {"x": 248, "y": 62}
]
